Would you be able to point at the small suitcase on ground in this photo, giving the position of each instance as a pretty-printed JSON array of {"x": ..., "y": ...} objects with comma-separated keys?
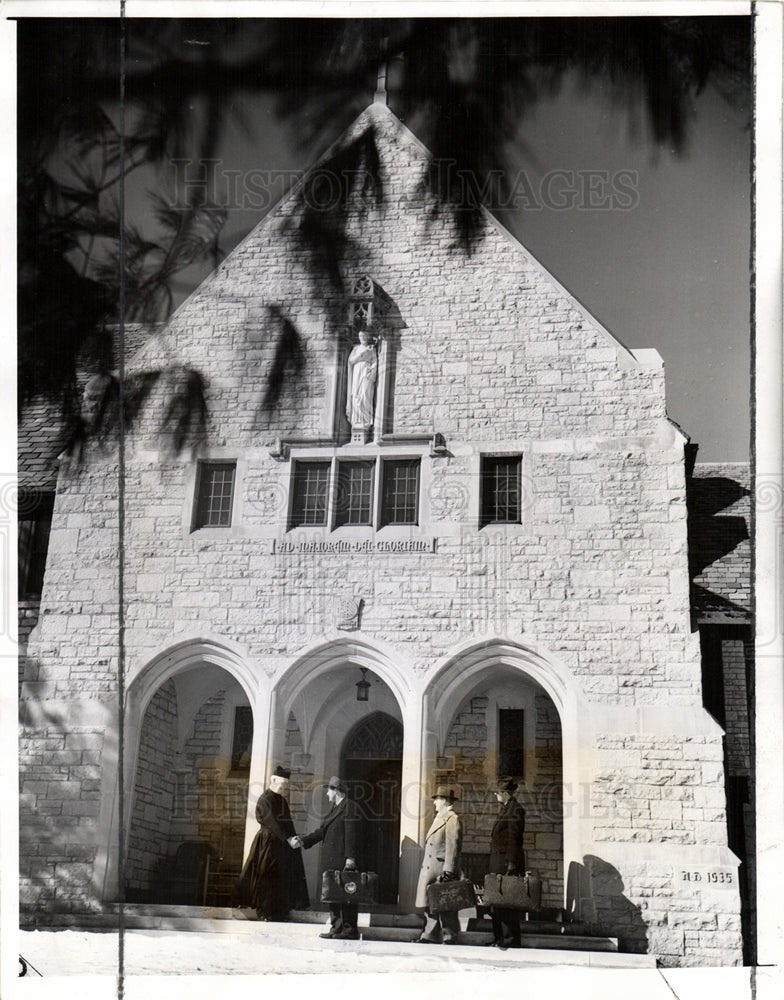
[
  {"x": 514, "y": 892},
  {"x": 349, "y": 887},
  {"x": 443, "y": 897}
]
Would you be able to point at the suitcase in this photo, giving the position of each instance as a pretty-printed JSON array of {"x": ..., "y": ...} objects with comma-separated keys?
[
  {"x": 349, "y": 887},
  {"x": 514, "y": 892},
  {"x": 443, "y": 897}
]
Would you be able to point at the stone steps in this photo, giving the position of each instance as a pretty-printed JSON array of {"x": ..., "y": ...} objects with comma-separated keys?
[{"x": 377, "y": 925}]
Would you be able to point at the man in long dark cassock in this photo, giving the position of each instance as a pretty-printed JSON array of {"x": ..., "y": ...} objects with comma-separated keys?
[
  {"x": 507, "y": 858},
  {"x": 272, "y": 880}
]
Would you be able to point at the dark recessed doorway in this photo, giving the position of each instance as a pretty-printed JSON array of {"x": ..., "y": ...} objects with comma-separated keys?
[{"x": 372, "y": 764}]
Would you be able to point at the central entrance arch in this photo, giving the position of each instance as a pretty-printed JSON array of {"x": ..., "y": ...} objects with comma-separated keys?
[{"x": 371, "y": 762}]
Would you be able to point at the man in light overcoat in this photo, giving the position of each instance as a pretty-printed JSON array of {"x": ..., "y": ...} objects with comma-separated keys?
[{"x": 441, "y": 863}]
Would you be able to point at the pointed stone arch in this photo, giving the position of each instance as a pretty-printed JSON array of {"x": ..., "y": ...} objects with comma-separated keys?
[
  {"x": 464, "y": 670},
  {"x": 328, "y": 657},
  {"x": 458, "y": 673},
  {"x": 319, "y": 688},
  {"x": 144, "y": 683},
  {"x": 187, "y": 653}
]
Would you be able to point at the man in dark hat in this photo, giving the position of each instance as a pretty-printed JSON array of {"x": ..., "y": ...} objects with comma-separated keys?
[
  {"x": 339, "y": 837},
  {"x": 441, "y": 863},
  {"x": 507, "y": 858},
  {"x": 272, "y": 880}
]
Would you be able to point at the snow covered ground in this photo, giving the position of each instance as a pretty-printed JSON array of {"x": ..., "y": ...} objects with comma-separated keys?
[{"x": 292, "y": 958}]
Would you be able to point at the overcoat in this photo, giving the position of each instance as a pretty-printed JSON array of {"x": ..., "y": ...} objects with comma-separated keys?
[
  {"x": 339, "y": 835},
  {"x": 506, "y": 839},
  {"x": 273, "y": 876},
  {"x": 442, "y": 851}
]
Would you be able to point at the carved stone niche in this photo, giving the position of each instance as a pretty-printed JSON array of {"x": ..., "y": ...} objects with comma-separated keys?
[{"x": 367, "y": 362}]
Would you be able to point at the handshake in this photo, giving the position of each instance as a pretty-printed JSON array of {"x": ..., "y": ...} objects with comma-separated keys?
[{"x": 295, "y": 843}]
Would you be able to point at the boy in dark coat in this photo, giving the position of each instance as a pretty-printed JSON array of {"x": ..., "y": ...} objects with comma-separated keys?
[
  {"x": 507, "y": 858},
  {"x": 272, "y": 880},
  {"x": 339, "y": 837}
]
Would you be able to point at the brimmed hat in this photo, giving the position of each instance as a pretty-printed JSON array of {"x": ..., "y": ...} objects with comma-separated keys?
[
  {"x": 281, "y": 772},
  {"x": 444, "y": 792},
  {"x": 505, "y": 785},
  {"x": 336, "y": 783}
]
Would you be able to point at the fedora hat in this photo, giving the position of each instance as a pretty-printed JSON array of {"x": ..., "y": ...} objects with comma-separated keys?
[
  {"x": 281, "y": 772},
  {"x": 444, "y": 792},
  {"x": 505, "y": 785}
]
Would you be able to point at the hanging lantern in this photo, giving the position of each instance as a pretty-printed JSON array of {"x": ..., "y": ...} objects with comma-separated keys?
[{"x": 363, "y": 686}]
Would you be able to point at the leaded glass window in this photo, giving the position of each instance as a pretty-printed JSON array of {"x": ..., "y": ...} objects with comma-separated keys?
[
  {"x": 500, "y": 490},
  {"x": 400, "y": 491},
  {"x": 310, "y": 493},
  {"x": 354, "y": 499},
  {"x": 215, "y": 495}
]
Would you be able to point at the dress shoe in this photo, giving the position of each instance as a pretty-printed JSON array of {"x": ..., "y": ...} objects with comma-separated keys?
[
  {"x": 347, "y": 936},
  {"x": 327, "y": 934}
]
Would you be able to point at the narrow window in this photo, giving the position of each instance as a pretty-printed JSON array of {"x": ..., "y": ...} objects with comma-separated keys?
[
  {"x": 500, "y": 478},
  {"x": 242, "y": 738},
  {"x": 35, "y": 525},
  {"x": 511, "y": 750},
  {"x": 354, "y": 499},
  {"x": 215, "y": 495},
  {"x": 400, "y": 491},
  {"x": 310, "y": 490}
]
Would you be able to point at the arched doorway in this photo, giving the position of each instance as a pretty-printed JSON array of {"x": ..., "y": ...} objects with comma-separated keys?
[
  {"x": 496, "y": 706},
  {"x": 372, "y": 764},
  {"x": 315, "y": 711},
  {"x": 190, "y": 789}
]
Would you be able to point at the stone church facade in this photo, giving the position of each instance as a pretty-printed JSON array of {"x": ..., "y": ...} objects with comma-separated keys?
[{"x": 495, "y": 554}]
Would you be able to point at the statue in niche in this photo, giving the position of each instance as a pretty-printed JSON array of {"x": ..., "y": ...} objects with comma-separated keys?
[{"x": 361, "y": 383}]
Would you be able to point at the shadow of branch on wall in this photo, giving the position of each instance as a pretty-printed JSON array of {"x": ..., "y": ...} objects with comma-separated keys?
[
  {"x": 595, "y": 897},
  {"x": 60, "y": 745}
]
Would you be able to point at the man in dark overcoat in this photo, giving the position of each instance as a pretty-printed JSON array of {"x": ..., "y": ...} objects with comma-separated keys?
[
  {"x": 272, "y": 879},
  {"x": 507, "y": 858},
  {"x": 339, "y": 838}
]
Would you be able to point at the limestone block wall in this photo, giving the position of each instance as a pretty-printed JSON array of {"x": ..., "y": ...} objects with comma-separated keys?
[
  {"x": 219, "y": 801},
  {"x": 659, "y": 790},
  {"x": 666, "y": 881},
  {"x": 154, "y": 790},
  {"x": 62, "y": 756},
  {"x": 303, "y": 776}
]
